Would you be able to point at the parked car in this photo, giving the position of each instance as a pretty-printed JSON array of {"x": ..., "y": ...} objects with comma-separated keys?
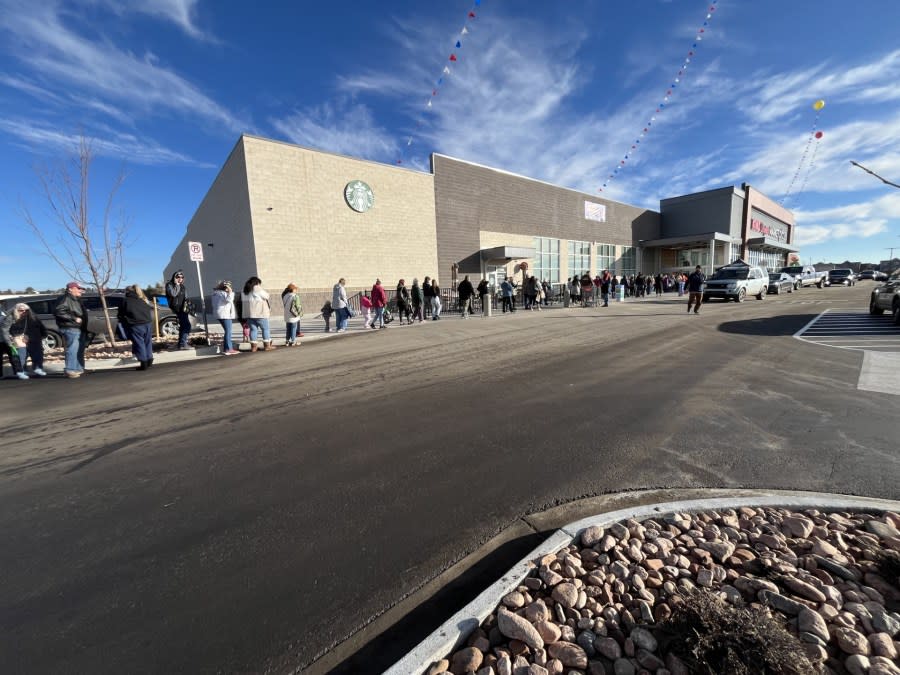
[
  {"x": 842, "y": 277},
  {"x": 736, "y": 281},
  {"x": 43, "y": 306},
  {"x": 780, "y": 282},
  {"x": 887, "y": 297},
  {"x": 806, "y": 275}
]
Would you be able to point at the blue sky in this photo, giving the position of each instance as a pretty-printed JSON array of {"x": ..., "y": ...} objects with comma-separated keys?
[{"x": 556, "y": 91}]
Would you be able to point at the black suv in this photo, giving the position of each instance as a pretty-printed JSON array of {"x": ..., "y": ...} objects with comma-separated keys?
[
  {"x": 43, "y": 306},
  {"x": 842, "y": 277}
]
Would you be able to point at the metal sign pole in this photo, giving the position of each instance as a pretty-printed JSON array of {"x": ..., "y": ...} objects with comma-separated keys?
[{"x": 203, "y": 302}]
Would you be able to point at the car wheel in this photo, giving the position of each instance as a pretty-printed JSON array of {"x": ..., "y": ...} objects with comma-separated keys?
[
  {"x": 778, "y": 290},
  {"x": 762, "y": 293},
  {"x": 895, "y": 312},
  {"x": 741, "y": 296},
  {"x": 820, "y": 284},
  {"x": 168, "y": 327},
  {"x": 53, "y": 340},
  {"x": 791, "y": 289},
  {"x": 874, "y": 309}
]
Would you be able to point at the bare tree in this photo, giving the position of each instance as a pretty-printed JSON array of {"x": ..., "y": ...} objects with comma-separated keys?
[
  {"x": 88, "y": 252},
  {"x": 883, "y": 180}
]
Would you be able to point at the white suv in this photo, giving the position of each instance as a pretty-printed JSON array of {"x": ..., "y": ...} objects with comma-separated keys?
[{"x": 736, "y": 281}]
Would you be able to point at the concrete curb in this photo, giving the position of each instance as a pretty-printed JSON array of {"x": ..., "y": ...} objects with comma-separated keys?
[{"x": 453, "y": 632}]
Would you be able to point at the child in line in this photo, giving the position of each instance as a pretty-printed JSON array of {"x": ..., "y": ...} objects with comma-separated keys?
[{"x": 327, "y": 311}]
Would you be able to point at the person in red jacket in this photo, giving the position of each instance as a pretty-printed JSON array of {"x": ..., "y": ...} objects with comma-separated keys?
[{"x": 379, "y": 300}]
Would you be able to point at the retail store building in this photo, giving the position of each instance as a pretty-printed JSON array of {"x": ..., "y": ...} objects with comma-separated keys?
[{"x": 291, "y": 214}]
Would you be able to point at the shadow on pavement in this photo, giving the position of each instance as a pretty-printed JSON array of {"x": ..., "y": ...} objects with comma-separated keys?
[
  {"x": 382, "y": 651},
  {"x": 768, "y": 326}
]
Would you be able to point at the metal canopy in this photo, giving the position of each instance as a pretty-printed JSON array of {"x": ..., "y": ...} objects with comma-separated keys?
[
  {"x": 767, "y": 244},
  {"x": 499, "y": 255}
]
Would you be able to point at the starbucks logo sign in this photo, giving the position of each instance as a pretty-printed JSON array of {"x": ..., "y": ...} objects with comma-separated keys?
[{"x": 359, "y": 196}]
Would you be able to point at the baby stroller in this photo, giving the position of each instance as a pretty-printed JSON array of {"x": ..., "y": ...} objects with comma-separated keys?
[{"x": 389, "y": 310}]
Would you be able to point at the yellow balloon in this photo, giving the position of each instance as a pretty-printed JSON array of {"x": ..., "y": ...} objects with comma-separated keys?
[{"x": 818, "y": 105}]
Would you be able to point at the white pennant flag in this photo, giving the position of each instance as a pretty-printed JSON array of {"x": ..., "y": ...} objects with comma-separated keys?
[
  {"x": 429, "y": 104},
  {"x": 446, "y": 70},
  {"x": 464, "y": 31}
]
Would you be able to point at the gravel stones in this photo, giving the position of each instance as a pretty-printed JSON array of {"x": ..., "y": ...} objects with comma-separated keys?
[
  {"x": 591, "y": 608},
  {"x": 570, "y": 655},
  {"x": 591, "y": 536},
  {"x": 516, "y": 627},
  {"x": 565, "y": 594}
]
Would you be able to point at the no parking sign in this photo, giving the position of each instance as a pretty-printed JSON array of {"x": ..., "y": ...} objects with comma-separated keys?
[{"x": 196, "y": 250}]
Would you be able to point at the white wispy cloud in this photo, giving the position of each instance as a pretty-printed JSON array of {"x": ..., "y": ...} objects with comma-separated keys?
[
  {"x": 43, "y": 38},
  {"x": 777, "y": 95},
  {"x": 182, "y": 13},
  {"x": 47, "y": 140},
  {"x": 345, "y": 128}
]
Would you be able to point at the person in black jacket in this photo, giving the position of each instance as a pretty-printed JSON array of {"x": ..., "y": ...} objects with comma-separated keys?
[
  {"x": 695, "y": 289},
  {"x": 72, "y": 318},
  {"x": 466, "y": 290},
  {"x": 30, "y": 330},
  {"x": 484, "y": 290},
  {"x": 136, "y": 314},
  {"x": 8, "y": 345},
  {"x": 428, "y": 293},
  {"x": 176, "y": 296}
]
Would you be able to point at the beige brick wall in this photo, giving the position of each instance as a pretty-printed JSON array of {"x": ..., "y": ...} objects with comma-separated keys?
[
  {"x": 223, "y": 219},
  {"x": 305, "y": 233}
]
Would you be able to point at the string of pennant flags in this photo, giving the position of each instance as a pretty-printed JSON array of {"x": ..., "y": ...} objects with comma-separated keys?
[
  {"x": 813, "y": 140},
  {"x": 440, "y": 81},
  {"x": 660, "y": 107}
]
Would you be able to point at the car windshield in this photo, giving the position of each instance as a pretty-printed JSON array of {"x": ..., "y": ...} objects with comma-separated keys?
[
  {"x": 839, "y": 273},
  {"x": 774, "y": 276},
  {"x": 731, "y": 273},
  {"x": 792, "y": 270}
]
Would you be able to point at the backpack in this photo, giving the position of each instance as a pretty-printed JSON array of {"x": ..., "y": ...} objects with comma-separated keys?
[{"x": 296, "y": 306}]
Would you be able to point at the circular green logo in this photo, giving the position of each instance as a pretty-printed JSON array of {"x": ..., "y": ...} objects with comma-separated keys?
[{"x": 359, "y": 196}]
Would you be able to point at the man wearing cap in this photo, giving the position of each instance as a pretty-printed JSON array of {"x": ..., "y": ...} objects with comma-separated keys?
[{"x": 71, "y": 317}]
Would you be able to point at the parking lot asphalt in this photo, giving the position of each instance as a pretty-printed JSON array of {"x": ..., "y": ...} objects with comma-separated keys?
[{"x": 257, "y": 513}]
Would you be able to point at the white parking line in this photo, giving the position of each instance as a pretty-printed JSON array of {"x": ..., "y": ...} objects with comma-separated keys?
[
  {"x": 880, "y": 372},
  {"x": 875, "y": 336}
]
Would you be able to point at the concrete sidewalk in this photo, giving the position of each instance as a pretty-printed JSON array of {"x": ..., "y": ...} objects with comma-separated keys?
[{"x": 313, "y": 329}]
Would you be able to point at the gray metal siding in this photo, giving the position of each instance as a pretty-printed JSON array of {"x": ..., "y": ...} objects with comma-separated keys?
[{"x": 471, "y": 198}]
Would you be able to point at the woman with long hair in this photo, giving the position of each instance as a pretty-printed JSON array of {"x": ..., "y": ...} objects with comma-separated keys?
[
  {"x": 136, "y": 314},
  {"x": 226, "y": 312},
  {"x": 293, "y": 310},
  {"x": 256, "y": 310}
]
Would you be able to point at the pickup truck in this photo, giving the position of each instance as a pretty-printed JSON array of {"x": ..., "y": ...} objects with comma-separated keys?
[{"x": 806, "y": 276}]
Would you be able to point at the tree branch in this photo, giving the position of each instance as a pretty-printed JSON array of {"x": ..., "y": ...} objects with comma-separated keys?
[{"x": 883, "y": 180}]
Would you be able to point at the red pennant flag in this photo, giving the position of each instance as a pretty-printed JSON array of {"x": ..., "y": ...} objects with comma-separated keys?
[
  {"x": 453, "y": 57},
  {"x": 434, "y": 92},
  {"x": 471, "y": 15}
]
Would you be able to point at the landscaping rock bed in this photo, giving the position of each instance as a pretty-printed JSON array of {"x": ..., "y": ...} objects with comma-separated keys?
[{"x": 746, "y": 590}]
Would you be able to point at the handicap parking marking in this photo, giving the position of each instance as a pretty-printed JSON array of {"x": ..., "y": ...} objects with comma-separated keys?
[
  {"x": 875, "y": 336},
  {"x": 880, "y": 372},
  {"x": 857, "y": 330}
]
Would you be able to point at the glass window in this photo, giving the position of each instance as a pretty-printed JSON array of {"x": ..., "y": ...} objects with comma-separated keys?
[
  {"x": 579, "y": 257},
  {"x": 545, "y": 265},
  {"x": 627, "y": 261},
  {"x": 606, "y": 258}
]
